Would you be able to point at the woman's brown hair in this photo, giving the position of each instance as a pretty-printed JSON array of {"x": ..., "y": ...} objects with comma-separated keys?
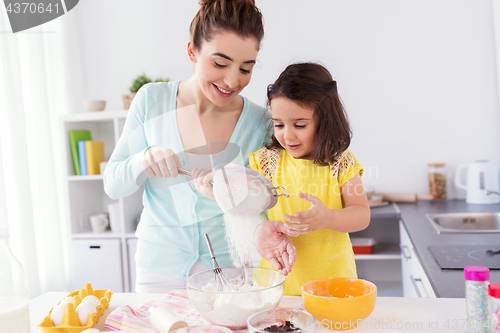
[
  {"x": 311, "y": 86},
  {"x": 241, "y": 17}
]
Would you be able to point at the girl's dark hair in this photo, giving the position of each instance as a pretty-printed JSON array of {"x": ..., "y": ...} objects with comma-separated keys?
[
  {"x": 239, "y": 16},
  {"x": 311, "y": 86}
]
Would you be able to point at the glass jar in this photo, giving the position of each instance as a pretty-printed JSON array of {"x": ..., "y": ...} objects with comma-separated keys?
[
  {"x": 437, "y": 181},
  {"x": 494, "y": 291},
  {"x": 14, "y": 313},
  {"x": 477, "y": 299}
]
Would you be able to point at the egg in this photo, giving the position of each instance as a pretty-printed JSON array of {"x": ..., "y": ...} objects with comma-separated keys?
[
  {"x": 57, "y": 314},
  {"x": 83, "y": 310},
  {"x": 91, "y": 298},
  {"x": 68, "y": 299}
]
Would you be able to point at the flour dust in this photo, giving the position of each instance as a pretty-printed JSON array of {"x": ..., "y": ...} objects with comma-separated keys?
[{"x": 242, "y": 199}]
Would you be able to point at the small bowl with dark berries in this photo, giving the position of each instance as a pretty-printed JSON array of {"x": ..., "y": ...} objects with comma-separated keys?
[{"x": 281, "y": 321}]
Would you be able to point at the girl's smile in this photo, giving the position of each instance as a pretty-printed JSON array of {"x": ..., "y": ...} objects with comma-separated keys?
[{"x": 294, "y": 127}]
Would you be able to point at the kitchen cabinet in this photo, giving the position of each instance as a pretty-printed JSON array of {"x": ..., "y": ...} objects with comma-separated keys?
[
  {"x": 415, "y": 281},
  {"x": 85, "y": 196},
  {"x": 383, "y": 266},
  {"x": 97, "y": 261}
]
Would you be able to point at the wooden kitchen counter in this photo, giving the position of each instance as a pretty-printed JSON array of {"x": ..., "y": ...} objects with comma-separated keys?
[{"x": 391, "y": 314}]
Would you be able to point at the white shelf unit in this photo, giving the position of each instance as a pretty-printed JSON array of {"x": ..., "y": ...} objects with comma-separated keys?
[
  {"x": 86, "y": 196},
  {"x": 383, "y": 266}
]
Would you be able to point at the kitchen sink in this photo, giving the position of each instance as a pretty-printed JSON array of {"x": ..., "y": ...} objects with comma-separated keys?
[{"x": 464, "y": 223}]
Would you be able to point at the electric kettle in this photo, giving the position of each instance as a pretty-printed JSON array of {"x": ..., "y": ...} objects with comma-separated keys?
[{"x": 481, "y": 176}]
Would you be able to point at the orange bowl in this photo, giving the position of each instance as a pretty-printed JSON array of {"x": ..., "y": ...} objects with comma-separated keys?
[{"x": 339, "y": 303}]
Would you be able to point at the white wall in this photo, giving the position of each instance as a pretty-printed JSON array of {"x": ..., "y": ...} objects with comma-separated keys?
[{"x": 418, "y": 77}]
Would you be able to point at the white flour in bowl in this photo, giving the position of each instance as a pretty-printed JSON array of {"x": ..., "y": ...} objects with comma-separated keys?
[{"x": 233, "y": 309}]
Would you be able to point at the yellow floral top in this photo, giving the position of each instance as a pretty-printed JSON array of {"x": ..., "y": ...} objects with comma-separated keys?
[{"x": 322, "y": 253}]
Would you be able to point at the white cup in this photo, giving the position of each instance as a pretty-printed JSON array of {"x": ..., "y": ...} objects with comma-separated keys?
[
  {"x": 99, "y": 222},
  {"x": 102, "y": 166},
  {"x": 115, "y": 217}
]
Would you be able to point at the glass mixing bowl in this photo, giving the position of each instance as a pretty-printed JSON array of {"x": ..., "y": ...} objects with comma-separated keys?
[{"x": 232, "y": 308}]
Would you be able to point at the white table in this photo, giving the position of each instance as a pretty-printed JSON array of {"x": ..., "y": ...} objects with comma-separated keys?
[{"x": 391, "y": 314}]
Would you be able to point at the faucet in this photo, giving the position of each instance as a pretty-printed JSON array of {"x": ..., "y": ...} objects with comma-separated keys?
[{"x": 488, "y": 192}]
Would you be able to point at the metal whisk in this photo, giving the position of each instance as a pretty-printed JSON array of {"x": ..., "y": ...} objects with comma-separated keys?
[{"x": 220, "y": 281}]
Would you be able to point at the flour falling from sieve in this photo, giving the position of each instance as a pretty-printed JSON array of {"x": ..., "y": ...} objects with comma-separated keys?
[
  {"x": 239, "y": 235},
  {"x": 242, "y": 199}
]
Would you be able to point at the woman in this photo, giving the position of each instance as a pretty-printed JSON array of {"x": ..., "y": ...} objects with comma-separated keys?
[{"x": 196, "y": 123}]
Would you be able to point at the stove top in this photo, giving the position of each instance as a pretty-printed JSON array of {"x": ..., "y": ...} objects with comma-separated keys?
[{"x": 457, "y": 257}]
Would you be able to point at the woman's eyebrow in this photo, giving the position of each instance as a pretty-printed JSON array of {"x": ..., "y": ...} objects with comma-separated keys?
[
  {"x": 297, "y": 119},
  {"x": 222, "y": 55}
]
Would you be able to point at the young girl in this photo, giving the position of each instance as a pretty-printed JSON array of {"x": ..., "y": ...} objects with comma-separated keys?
[{"x": 308, "y": 155}]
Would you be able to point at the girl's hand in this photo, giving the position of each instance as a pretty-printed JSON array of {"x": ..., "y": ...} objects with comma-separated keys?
[
  {"x": 310, "y": 220},
  {"x": 202, "y": 178},
  {"x": 160, "y": 162},
  {"x": 275, "y": 246}
]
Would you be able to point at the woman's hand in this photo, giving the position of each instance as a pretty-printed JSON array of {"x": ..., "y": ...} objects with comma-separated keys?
[
  {"x": 160, "y": 162},
  {"x": 275, "y": 246},
  {"x": 202, "y": 178},
  {"x": 315, "y": 218}
]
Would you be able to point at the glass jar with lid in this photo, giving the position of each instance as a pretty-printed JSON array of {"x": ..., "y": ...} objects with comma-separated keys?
[
  {"x": 437, "y": 181},
  {"x": 477, "y": 299},
  {"x": 494, "y": 291}
]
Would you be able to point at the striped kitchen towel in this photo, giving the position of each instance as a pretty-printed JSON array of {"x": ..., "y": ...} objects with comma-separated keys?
[{"x": 137, "y": 320}]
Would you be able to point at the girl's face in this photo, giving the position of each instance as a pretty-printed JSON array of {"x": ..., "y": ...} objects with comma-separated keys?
[
  {"x": 224, "y": 66},
  {"x": 294, "y": 127}
]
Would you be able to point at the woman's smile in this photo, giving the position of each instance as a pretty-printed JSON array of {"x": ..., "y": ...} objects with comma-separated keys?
[{"x": 223, "y": 92}]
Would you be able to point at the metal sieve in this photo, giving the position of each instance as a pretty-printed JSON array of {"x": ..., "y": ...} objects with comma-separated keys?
[
  {"x": 233, "y": 179},
  {"x": 233, "y": 175}
]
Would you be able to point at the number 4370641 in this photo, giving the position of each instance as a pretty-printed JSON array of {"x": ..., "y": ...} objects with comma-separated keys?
[{"x": 31, "y": 7}]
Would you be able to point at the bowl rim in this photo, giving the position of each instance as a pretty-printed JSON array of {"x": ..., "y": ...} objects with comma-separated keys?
[
  {"x": 338, "y": 277},
  {"x": 279, "y": 309},
  {"x": 232, "y": 292}
]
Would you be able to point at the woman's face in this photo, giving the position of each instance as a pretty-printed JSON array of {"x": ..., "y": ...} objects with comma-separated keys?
[{"x": 224, "y": 66}]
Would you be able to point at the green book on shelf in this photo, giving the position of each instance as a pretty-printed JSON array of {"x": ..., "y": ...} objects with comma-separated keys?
[{"x": 74, "y": 137}]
